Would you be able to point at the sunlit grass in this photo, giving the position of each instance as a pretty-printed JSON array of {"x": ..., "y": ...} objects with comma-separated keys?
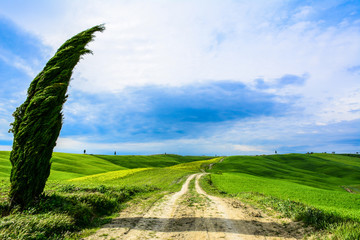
[
  {"x": 82, "y": 189},
  {"x": 196, "y": 166},
  {"x": 340, "y": 202},
  {"x": 109, "y": 176},
  {"x": 68, "y": 166},
  {"x": 318, "y": 189}
]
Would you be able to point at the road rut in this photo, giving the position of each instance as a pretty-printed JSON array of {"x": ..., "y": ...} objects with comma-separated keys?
[{"x": 193, "y": 214}]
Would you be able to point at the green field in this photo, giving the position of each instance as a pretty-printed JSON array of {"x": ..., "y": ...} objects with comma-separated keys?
[
  {"x": 319, "y": 189},
  {"x": 119, "y": 171},
  {"x": 83, "y": 189},
  {"x": 317, "y": 181},
  {"x": 67, "y": 166}
]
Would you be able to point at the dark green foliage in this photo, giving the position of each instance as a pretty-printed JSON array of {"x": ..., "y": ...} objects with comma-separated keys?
[{"x": 39, "y": 119}]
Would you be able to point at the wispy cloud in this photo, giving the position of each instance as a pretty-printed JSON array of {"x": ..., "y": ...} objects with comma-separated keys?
[
  {"x": 284, "y": 81},
  {"x": 21, "y": 49},
  {"x": 354, "y": 69},
  {"x": 17, "y": 62},
  {"x": 5, "y": 148},
  {"x": 248, "y": 148},
  {"x": 178, "y": 146},
  {"x": 231, "y": 139}
]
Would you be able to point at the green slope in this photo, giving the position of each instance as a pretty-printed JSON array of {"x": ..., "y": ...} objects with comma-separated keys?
[
  {"x": 84, "y": 188},
  {"x": 169, "y": 178},
  {"x": 67, "y": 166},
  {"x": 325, "y": 171},
  {"x": 318, "y": 180},
  {"x": 5, "y": 165},
  {"x": 143, "y": 161},
  {"x": 80, "y": 164}
]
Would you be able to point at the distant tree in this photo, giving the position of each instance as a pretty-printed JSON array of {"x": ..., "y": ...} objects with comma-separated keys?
[{"x": 38, "y": 120}]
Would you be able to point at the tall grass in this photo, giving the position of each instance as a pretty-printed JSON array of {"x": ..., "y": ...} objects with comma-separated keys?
[{"x": 64, "y": 209}]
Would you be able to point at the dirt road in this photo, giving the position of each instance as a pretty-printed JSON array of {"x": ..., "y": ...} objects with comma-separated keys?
[{"x": 193, "y": 214}]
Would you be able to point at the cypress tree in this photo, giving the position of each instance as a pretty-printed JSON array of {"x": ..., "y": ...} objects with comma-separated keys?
[{"x": 38, "y": 120}]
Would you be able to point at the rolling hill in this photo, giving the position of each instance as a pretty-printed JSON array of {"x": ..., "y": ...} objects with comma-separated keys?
[
  {"x": 67, "y": 165},
  {"x": 323, "y": 181}
]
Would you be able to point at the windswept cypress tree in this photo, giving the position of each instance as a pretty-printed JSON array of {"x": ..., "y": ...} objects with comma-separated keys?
[{"x": 38, "y": 120}]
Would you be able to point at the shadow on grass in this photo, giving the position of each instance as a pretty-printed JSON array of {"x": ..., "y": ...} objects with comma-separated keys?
[{"x": 67, "y": 210}]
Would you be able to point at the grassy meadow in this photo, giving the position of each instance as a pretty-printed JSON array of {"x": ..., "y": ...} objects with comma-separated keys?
[
  {"x": 320, "y": 189},
  {"x": 83, "y": 190}
]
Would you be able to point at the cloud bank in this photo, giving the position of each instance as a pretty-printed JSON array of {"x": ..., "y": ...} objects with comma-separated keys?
[{"x": 199, "y": 77}]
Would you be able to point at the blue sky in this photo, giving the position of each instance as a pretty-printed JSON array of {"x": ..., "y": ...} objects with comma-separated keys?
[{"x": 193, "y": 77}]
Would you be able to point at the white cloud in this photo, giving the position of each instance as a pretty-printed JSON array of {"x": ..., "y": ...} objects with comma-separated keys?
[
  {"x": 343, "y": 108},
  {"x": 175, "y": 43},
  {"x": 17, "y": 62},
  {"x": 303, "y": 12},
  {"x": 203, "y": 146},
  {"x": 249, "y": 136},
  {"x": 182, "y": 42},
  {"x": 5, "y": 148},
  {"x": 248, "y": 148}
]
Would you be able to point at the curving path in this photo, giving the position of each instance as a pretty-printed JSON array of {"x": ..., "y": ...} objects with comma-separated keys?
[{"x": 196, "y": 215}]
